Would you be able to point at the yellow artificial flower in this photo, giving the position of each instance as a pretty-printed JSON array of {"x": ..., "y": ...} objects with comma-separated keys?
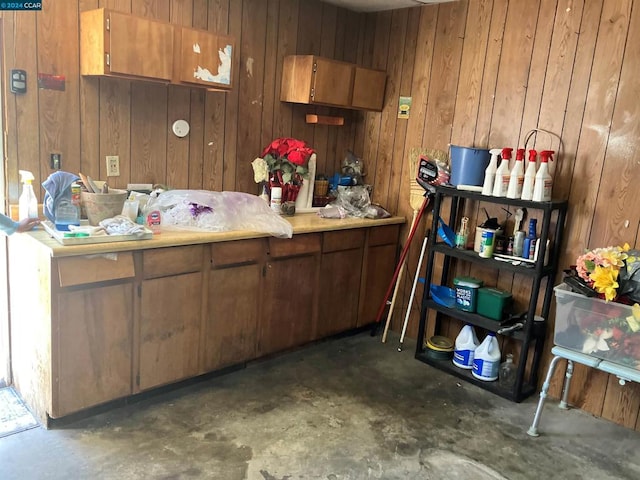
[
  {"x": 634, "y": 320},
  {"x": 605, "y": 281},
  {"x": 614, "y": 256}
]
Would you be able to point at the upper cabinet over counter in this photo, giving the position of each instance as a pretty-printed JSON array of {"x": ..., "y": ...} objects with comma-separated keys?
[
  {"x": 120, "y": 45},
  {"x": 321, "y": 81}
]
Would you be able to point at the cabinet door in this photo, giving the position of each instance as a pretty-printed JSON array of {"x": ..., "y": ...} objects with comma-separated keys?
[
  {"x": 289, "y": 293},
  {"x": 288, "y": 304},
  {"x": 140, "y": 47},
  {"x": 234, "y": 302},
  {"x": 94, "y": 347},
  {"x": 332, "y": 82},
  {"x": 205, "y": 58},
  {"x": 169, "y": 328},
  {"x": 340, "y": 274},
  {"x": 380, "y": 262},
  {"x": 368, "y": 89}
]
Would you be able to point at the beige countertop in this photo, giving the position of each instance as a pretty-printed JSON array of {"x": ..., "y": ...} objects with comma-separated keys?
[{"x": 302, "y": 223}]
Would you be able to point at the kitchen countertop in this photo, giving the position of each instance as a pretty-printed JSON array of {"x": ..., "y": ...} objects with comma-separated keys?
[{"x": 302, "y": 223}]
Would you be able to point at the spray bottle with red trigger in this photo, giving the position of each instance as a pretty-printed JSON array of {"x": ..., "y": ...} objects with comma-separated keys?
[
  {"x": 544, "y": 180},
  {"x": 529, "y": 176},
  {"x": 501, "y": 182},
  {"x": 516, "y": 180}
]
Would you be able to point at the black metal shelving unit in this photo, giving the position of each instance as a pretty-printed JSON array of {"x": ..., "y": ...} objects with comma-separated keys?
[{"x": 553, "y": 210}]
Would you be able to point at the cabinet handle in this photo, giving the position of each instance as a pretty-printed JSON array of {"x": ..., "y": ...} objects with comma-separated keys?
[{"x": 107, "y": 59}]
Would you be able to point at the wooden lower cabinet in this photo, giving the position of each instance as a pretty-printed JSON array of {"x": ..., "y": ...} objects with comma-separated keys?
[
  {"x": 289, "y": 293},
  {"x": 340, "y": 274},
  {"x": 377, "y": 272},
  {"x": 103, "y": 328},
  {"x": 169, "y": 329},
  {"x": 94, "y": 341},
  {"x": 233, "y": 303}
]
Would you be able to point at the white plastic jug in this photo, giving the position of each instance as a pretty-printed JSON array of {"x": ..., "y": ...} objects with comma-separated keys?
[
  {"x": 466, "y": 343},
  {"x": 486, "y": 361}
]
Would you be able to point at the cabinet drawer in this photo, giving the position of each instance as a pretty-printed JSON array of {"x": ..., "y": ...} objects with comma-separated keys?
[
  {"x": 297, "y": 245},
  {"x": 237, "y": 252},
  {"x": 383, "y": 235},
  {"x": 343, "y": 240},
  {"x": 81, "y": 270},
  {"x": 172, "y": 261}
]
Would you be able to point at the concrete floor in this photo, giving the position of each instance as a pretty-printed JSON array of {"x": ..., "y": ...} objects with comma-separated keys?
[{"x": 350, "y": 408}]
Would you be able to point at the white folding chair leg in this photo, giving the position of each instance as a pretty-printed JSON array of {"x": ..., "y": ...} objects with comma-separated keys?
[
  {"x": 533, "y": 429},
  {"x": 567, "y": 384}
]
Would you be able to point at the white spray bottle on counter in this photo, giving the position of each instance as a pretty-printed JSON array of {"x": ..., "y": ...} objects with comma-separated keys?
[
  {"x": 27, "y": 203},
  {"x": 529, "y": 176},
  {"x": 544, "y": 180},
  {"x": 516, "y": 180},
  {"x": 490, "y": 172},
  {"x": 501, "y": 183}
]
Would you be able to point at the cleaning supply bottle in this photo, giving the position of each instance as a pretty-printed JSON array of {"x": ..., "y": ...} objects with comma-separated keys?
[
  {"x": 544, "y": 180},
  {"x": 507, "y": 372},
  {"x": 66, "y": 213},
  {"x": 529, "y": 176},
  {"x": 529, "y": 245},
  {"x": 465, "y": 346},
  {"x": 27, "y": 203},
  {"x": 490, "y": 172},
  {"x": 501, "y": 183},
  {"x": 486, "y": 361},
  {"x": 516, "y": 180}
]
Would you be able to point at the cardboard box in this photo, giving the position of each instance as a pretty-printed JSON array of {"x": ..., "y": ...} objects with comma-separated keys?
[{"x": 605, "y": 330}]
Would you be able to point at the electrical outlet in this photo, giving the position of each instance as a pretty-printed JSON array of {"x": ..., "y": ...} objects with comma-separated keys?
[
  {"x": 55, "y": 160},
  {"x": 113, "y": 166}
]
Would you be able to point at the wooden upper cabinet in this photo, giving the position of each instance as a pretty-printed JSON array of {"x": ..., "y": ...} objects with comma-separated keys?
[
  {"x": 117, "y": 44},
  {"x": 368, "y": 89},
  {"x": 203, "y": 58},
  {"x": 120, "y": 45},
  {"x": 321, "y": 81}
]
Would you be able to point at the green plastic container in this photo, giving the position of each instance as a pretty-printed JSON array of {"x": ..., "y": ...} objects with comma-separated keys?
[
  {"x": 492, "y": 302},
  {"x": 467, "y": 293}
]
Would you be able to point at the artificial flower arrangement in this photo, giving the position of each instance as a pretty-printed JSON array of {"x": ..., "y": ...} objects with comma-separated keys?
[
  {"x": 285, "y": 163},
  {"x": 604, "y": 320}
]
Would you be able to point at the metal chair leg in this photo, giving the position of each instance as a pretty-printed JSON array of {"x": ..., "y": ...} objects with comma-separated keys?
[
  {"x": 533, "y": 429},
  {"x": 567, "y": 384}
]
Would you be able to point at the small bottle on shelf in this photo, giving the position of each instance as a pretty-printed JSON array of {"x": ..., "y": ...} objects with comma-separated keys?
[{"x": 507, "y": 373}]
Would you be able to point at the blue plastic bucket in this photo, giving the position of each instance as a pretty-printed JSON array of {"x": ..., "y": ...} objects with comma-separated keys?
[{"x": 468, "y": 165}]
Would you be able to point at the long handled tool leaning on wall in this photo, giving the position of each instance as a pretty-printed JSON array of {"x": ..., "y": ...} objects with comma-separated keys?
[{"x": 429, "y": 173}]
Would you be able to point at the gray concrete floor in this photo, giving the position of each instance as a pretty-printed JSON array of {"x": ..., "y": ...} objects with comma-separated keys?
[{"x": 350, "y": 408}]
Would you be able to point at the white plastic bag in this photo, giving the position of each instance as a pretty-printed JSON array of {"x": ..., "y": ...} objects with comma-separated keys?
[{"x": 218, "y": 212}]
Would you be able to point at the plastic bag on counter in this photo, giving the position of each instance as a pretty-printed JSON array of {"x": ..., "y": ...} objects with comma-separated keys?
[
  {"x": 218, "y": 212},
  {"x": 353, "y": 202}
]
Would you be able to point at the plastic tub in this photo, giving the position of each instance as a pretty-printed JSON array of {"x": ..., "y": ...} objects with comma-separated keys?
[
  {"x": 492, "y": 302},
  {"x": 467, "y": 293},
  {"x": 468, "y": 165}
]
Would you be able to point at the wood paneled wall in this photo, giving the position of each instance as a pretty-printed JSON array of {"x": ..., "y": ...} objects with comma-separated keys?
[
  {"x": 484, "y": 73},
  {"x": 95, "y": 117},
  {"x": 480, "y": 72}
]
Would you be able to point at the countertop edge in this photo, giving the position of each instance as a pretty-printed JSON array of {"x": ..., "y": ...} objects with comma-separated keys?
[{"x": 301, "y": 223}]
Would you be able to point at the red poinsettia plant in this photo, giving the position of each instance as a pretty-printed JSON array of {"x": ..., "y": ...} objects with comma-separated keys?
[{"x": 284, "y": 162}]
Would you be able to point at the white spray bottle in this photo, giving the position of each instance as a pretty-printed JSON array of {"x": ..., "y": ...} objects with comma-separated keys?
[
  {"x": 490, "y": 172},
  {"x": 529, "y": 176},
  {"x": 544, "y": 180},
  {"x": 27, "y": 203},
  {"x": 501, "y": 183},
  {"x": 516, "y": 180}
]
